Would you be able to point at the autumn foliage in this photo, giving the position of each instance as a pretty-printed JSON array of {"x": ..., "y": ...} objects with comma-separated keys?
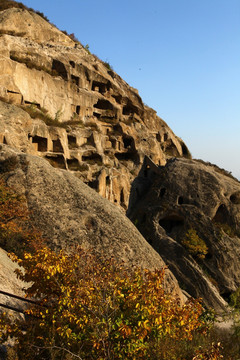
[
  {"x": 89, "y": 307},
  {"x": 96, "y": 309}
]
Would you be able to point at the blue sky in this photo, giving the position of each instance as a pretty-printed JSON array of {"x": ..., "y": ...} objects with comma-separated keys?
[{"x": 182, "y": 55}]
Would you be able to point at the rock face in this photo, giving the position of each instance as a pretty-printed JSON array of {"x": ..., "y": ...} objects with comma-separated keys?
[
  {"x": 189, "y": 212},
  {"x": 68, "y": 212},
  {"x": 84, "y": 117}
]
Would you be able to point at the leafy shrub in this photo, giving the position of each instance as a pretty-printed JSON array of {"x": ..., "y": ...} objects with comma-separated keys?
[
  {"x": 194, "y": 244},
  {"x": 91, "y": 307},
  {"x": 235, "y": 299}
]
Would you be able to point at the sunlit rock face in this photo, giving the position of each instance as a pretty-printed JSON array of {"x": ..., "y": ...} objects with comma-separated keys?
[
  {"x": 189, "y": 211},
  {"x": 84, "y": 117},
  {"x": 69, "y": 213}
]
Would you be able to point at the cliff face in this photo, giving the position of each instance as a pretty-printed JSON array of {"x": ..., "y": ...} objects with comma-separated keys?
[
  {"x": 84, "y": 117},
  {"x": 189, "y": 211},
  {"x": 68, "y": 212}
]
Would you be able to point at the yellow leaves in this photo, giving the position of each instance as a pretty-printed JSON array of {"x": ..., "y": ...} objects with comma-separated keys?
[
  {"x": 119, "y": 308},
  {"x": 68, "y": 332}
]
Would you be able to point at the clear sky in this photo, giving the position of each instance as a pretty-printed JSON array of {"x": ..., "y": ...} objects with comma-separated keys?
[{"x": 182, "y": 55}]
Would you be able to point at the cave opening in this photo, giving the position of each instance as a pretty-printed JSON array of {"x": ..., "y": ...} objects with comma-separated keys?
[
  {"x": 60, "y": 69},
  {"x": 57, "y": 146},
  {"x": 103, "y": 105},
  {"x": 75, "y": 80},
  {"x": 57, "y": 161},
  {"x": 41, "y": 143},
  {"x": 221, "y": 215},
  {"x": 171, "y": 222}
]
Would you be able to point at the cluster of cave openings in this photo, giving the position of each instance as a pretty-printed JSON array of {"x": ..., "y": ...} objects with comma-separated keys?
[
  {"x": 75, "y": 80},
  {"x": 59, "y": 68},
  {"x": 221, "y": 215},
  {"x": 171, "y": 222},
  {"x": 57, "y": 161},
  {"x": 98, "y": 86},
  {"x": 57, "y": 146},
  {"x": 41, "y": 143},
  {"x": 103, "y": 105}
]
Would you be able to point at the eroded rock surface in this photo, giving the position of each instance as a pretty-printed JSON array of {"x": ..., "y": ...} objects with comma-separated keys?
[
  {"x": 85, "y": 118},
  {"x": 190, "y": 197},
  {"x": 68, "y": 212}
]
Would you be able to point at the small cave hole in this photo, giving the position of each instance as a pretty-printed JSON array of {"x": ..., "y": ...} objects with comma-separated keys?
[
  {"x": 103, "y": 105},
  {"x": 122, "y": 198},
  {"x": 108, "y": 180},
  {"x": 93, "y": 184},
  {"x": 60, "y": 69},
  {"x": 180, "y": 200},
  {"x": 72, "y": 141},
  {"x": 97, "y": 115},
  {"x": 171, "y": 222},
  {"x": 128, "y": 142},
  {"x": 78, "y": 109},
  {"x": 75, "y": 80},
  {"x": 73, "y": 165},
  {"x": 162, "y": 192},
  {"x": 57, "y": 161},
  {"x": 57, "y": 146},
  {"x": 226, "y": 296},
  {"x": 72, "y": 63},
  {"x": 221, "y": 215},
  {"x": 41, "y": 143},
  {"x": 235, "y": 198}
]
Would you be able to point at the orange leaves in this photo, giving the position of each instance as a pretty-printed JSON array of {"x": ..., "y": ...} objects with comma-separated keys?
[{"x": 97, "y": 307}]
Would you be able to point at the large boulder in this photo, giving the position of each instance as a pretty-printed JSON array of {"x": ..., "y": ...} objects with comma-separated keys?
[
  {"x": 189, "y": 212},
  {"x": 68, "y": 212}
]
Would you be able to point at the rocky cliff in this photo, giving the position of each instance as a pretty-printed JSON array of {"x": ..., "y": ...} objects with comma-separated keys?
[
  {"x": 67, "y": 118},
  {"x": 68, "y": 212},
  {"x": 189, "y": 211},
  {"x": 83, "y": 116}
]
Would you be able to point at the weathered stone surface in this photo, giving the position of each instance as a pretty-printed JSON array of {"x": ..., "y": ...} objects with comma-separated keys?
[
  {"x": 10, "y": 284},
  {"x": 108, "y": 130},
  {"x": 28, "y": 24},
  {"x": 68, "y": 212},
  {"x": 187, "y": 194}
]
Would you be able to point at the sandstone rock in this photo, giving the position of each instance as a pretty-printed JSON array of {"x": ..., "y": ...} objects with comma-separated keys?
[
  {"x": 99, "y": 127},
  {"x": 167, "y": 202},
  {"x": 68, "y": 212},
  {"x": 10, "y": 284}
]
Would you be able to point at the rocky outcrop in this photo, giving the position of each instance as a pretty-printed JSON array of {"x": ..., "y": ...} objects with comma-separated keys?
[
  {"x": 189, "y": 212},
  {"x": 84, "y": 117},
  {"x": 68, "y": 212},
  {"x": 11, "y": 285}
]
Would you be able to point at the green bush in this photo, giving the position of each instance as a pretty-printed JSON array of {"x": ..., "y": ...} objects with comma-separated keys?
[{"x": 194, "y": 244}]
